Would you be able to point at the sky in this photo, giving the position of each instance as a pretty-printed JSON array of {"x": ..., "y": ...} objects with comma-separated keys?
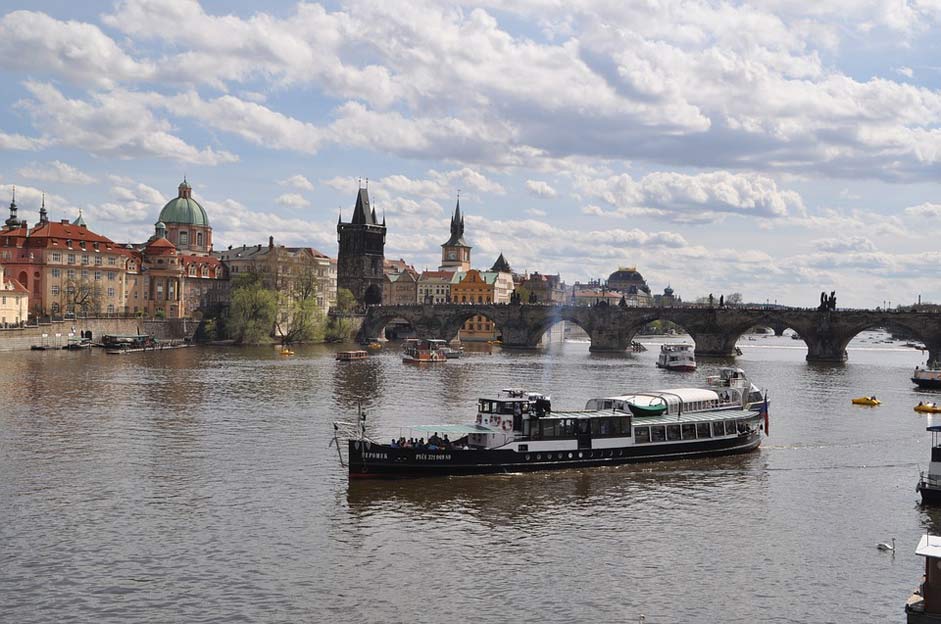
[{"x": 775, "y": 148}]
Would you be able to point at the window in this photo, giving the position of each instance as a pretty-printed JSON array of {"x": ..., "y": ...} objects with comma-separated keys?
[
  {"x": 199, "y": 239},
  {"x": 55, "y": 272},
  {"x": 702, "y": 430},
  {"x": 97, "y": 276},
  {"x": 673, "y": 432},
  {"x": 112, "y": 276},
  {"x": 98, "y": 260},
  {"x": 658, "y": 434},
  {"x": 184, "y": 239},
  {"x": 718, "y": 429},
  {"x": 71, "y": 259},
  {"x": 84, "y": 274},
  {"x": 112, "y": 260},
  {"x": 111, "y": 292},
  {"x": 729, "y": 427},
  {"x": 56, "y": 256},
  {"x": 55, "y": 290},
  {"x": 549, "y": 428},
  {"x": 55, "y": 308},
  {"x": 84, "y": 258},
  {"x": 689, "y": 431},
  {"x": 70, "y": 274},
  {"x": 110, "y": 308}
]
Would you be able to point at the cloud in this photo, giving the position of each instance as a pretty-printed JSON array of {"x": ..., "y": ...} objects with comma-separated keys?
[
  {"x": 852, "y": 244},
  {"x": 115, "y": 123},
  {"x": 925, "y": 210},
  {"x": 55, "y": 171},
  {"x": 905, "y": 71},
  {"x": 299, "y": 182},
  {"x": 20, "y": 142},
  {"x": 440, "y": 185},
  {"x": 692, "y": 197},
  {"x": 80, "y": 53},
  {"x": 535, "y": 212},
  {"x": 540, "y": 189},
  {"x": 292, "y": 200}
]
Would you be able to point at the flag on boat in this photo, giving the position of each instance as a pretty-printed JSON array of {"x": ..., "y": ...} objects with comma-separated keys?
[{"x": 763, "y": 410}]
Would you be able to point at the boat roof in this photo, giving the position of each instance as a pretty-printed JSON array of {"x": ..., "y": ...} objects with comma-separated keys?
[
  {"x": 456, "y": 429},
  {"x": 662, "y": 419},
  {"x": 671, "y": 395},
  {"x": 929, "y": 546}
]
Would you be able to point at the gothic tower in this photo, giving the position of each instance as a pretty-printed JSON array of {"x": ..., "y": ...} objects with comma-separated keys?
[
  {"x": 455, "y": 254},
  {"x": 361, "y": 254}
]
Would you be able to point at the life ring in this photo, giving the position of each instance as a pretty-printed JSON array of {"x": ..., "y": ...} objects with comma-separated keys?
[{"x": 507, "y": 425}]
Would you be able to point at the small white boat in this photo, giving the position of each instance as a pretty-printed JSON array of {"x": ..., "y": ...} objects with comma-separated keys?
[{"x": 677, "y": 357}]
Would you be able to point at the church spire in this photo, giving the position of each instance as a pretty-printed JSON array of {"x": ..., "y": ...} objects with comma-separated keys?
[
  {"x": 13, "y": 222},
  {"x": 457, "y": 227},
  {"x": 362, "y": 214},
  {"x": 43, "y": 215}
]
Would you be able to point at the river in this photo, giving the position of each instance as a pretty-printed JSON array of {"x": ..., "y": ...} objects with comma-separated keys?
[{"x": 197, "y": 485}]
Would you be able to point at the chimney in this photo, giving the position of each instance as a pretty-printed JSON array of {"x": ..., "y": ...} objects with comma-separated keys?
[{"x": 271, "y": 242}]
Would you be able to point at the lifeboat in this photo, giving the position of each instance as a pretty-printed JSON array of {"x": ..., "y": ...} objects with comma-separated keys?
[
  {"x": 870, "y": 400},
  {"x": 928, "y": 408}
]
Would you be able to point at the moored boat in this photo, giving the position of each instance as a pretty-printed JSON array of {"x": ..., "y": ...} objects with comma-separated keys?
[
  {"x": 351, "y": 356},
  {"x": 929, "y": 483},
  {"x": 924, "y": 605},
  {"x": 519, "y": 431},
  {"x": 677, "y": 357},
  {"x": 927, "y": 377},
  {"x": 422, "y": 351}
]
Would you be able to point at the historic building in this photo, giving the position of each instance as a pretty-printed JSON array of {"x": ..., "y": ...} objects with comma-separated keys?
[
  {"x": 435, "y": 287},
  {"x": 481, "y": 287},
  {"x": 400, "y": 289},
  {"x": 361, "y": 252},
  {"x": 176, "y": 275},
  {"x": 544, "y": 288},
  {"x": 187, "y": 224},
  {"x": 14, "y": 302},
  {"x": 456, "y": 254},
  {"x": 295, "y": 273},
  {"x": 668, "y": 298},
  {"x": 65, "y": 267}
]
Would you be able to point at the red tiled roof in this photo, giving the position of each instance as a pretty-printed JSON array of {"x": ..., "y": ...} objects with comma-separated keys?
[
  {"x": 13, "y": 285},
  {"x": 442, "y": 274},
  {"x": 160, "y": 247}
]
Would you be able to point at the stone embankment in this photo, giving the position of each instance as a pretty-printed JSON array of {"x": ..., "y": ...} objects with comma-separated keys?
[{"x": 20, "y": 338}]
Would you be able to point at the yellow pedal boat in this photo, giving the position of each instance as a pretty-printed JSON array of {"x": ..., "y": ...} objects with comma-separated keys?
[
  {"x": 871, "y": 400},
  {"x": 928, "y": 408},
  {"x": 286, "y": 352}
]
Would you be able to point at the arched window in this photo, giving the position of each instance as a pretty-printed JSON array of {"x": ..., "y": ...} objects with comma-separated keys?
[
  {"x": 184, "y": 239},
  {"x": 199, "y": 239}
]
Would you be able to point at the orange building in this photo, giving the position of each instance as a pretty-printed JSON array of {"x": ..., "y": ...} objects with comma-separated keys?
[{"x": 474, "y": 287}]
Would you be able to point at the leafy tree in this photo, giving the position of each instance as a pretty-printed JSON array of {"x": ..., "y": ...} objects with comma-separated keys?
[
  {"x": 346, "y": 302},
  {"x": 252, "y": 310},
  {"x": 339, "y": 327}
]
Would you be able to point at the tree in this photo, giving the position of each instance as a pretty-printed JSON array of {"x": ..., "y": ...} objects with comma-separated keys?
[
  {"x": 302, "y": 320},
  {"x": 338, "y": 329},
  {"x": 252, "y": 310}
]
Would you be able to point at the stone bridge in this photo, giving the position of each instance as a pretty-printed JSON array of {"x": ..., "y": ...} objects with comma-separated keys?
[{"x": 715, "y": 330}]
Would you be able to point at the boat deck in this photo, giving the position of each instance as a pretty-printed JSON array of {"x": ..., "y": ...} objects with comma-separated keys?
[{"x": 663, "y": 419}]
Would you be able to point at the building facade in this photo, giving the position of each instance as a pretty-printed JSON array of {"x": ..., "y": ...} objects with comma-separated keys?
[
  {"x": 435, "y": 287},
  {"x": 14, "y": 302},
  {"x": 65, "y": 267},
  {"x": 361, "y": 253}
]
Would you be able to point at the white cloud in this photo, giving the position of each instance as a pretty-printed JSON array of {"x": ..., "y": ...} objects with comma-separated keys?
[
  {"x": 299, "y": 182},
  {"x": 905, "y": 71},
  {"x": 75, "y": 51},
  {"x": 535, "y": 212},
  {"x": 20, "y": 142},
  {"x": 114, "y": 123},
  {"x": 698, "y": 197},
  {"x": 55, "y": 171},
  {"x": 927, "y": 209},
  {"x": 540, "y": 189},
  {"x": 852, "y": 244},
  {"x": 292, "y": 200}
]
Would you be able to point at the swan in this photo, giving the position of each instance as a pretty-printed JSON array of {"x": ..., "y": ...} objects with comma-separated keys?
[{"x": 884, "y": 546}]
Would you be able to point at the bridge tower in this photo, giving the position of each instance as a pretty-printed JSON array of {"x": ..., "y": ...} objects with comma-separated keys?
[{"x": 361, "y": 252}]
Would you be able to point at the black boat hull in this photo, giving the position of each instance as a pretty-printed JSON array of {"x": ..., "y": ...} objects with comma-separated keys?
[
  {"x": 929, "y": 495},
  {"x": 927, "y": 383},
  {"x": 380, "y": 460}
]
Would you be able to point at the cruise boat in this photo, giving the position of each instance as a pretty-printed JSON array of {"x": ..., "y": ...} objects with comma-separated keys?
[
  {"x": 677, "y": 357},
  {"x": 423, "y": 351},
  {"x": 929, "y": 483},
  {"x": 519, "y": 431},
  {"x": 928, "y": 377}
]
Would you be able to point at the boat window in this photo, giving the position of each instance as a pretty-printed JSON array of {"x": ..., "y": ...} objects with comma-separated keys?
[
  {"x": 607, "y": 405},
  {"x": 689, "y": 431},
  {"x": 583, "y": 426},
  {"x": 625, "y": 425},
  {"x": 702, "y": 430},
  {"x": 506, "y": 407},
  {"x": 658, "y": 434},
  {"x": 550, "y": 428},
  {"x": 486, "y": 406},
  {"x": 718, "y": 429},
  {"x": 566, "y": 428},
  {"x": 673, "y": 432},
  {"x": 642, "y": 434},
  {"x": 729, "y": 427}
]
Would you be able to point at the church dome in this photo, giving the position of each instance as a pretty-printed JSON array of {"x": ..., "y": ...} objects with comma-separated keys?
[
  {"x": 184, "y": 209},
  {"x": 626, "y": 275}
]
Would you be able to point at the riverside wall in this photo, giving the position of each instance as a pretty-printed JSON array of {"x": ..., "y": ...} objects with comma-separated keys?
[{"x": 21, "y": 338}]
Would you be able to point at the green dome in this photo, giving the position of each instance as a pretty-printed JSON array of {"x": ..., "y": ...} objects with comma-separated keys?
[{"x": 184, "y": 210}]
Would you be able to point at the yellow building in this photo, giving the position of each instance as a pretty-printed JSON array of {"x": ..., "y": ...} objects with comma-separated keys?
[
  {"x": 474, "y": 287},
  {"x": 14, "y": 302}
]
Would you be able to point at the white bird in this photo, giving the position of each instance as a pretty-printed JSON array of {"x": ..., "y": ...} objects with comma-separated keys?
[{"x": 884, "y": 546}]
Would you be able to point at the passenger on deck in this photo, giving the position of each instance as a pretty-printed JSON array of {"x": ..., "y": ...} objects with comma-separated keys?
[
  {"x": 394, "y": 443},
  {"x": 446, "y": 443}
]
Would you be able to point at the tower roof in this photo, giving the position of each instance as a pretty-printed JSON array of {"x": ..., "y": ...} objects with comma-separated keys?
[
  {"x": 79, "y": 220},
  {"x": 363, "y": 214},
  {"x": 501, "y": 265},
  {"x": 184, "y": 209},
  {"x": 457, "y": 228}
]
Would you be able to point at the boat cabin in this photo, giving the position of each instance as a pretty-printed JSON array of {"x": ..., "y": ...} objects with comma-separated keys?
[
  {"x": 924, "y": 605},
  {"x": 352, "y": 356},
  {"x": 677, "y": 400}
]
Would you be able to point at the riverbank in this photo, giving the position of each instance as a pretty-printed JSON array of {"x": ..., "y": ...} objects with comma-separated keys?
[{"x": 56, "y": 333}]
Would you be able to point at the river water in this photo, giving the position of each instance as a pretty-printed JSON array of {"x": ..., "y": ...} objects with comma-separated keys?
[{"x": 197, "y": 485}]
